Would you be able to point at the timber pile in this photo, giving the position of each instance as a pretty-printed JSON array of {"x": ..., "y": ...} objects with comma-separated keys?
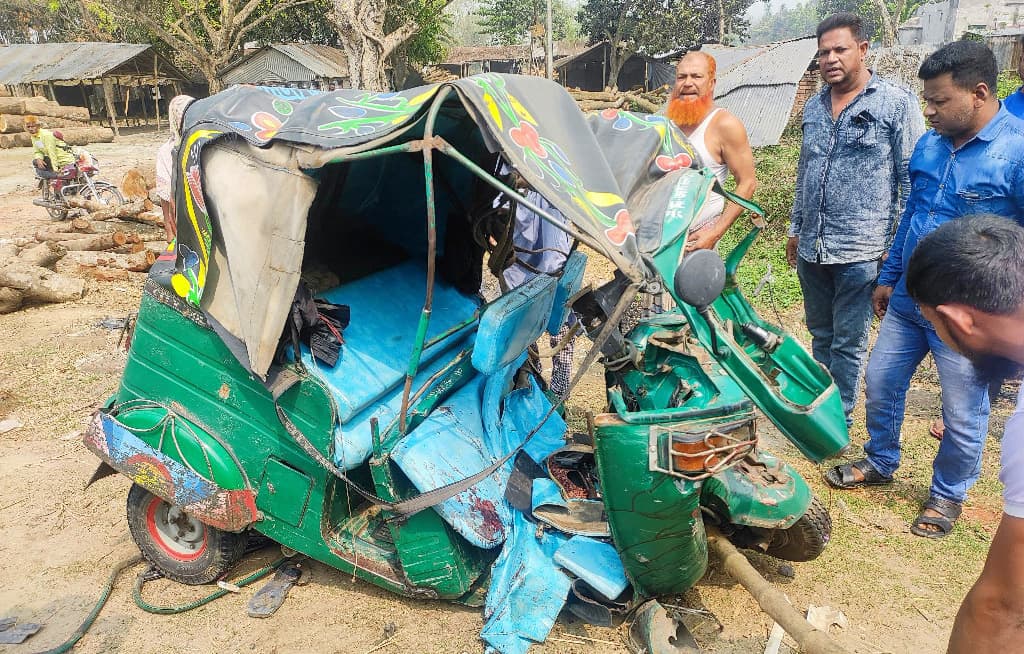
[
  {"x": 648, "y": 103},
  {"x": 106, "y": 244},
  {"x": 73, "y": 122}
]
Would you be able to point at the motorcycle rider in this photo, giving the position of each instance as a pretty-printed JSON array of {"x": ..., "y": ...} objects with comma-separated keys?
[{"x": 48, "y": 155}]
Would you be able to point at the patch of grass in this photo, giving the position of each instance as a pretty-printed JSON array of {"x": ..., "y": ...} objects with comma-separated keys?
[{"x": 776, "y": 177}]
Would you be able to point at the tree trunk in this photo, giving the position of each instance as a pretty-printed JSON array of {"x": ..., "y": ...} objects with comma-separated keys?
[{"x": 41, "y": 284}]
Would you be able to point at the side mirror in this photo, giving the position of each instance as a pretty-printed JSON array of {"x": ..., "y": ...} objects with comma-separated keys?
[{"x": 700, "y": 278}]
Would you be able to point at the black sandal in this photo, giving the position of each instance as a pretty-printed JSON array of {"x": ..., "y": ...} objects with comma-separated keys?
[
  {"x": 841, "y": 476},
  {"x": 949, "y": 512}
]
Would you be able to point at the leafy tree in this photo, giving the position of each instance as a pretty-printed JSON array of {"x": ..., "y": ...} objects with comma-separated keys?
[
  {"x": 206, "y": 33},
  {"x": 786, "y": 23},
  {"x": 647, "y": 26},
  {"x": 372, "y": 30},
  {"x": 882, "y": 18}
]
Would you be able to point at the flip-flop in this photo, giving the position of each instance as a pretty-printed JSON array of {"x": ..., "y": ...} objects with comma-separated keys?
[
  {"x": 937, "y": 430},
  {"x": 841, "y": 476},
  {"x": 949, "y": 512}
]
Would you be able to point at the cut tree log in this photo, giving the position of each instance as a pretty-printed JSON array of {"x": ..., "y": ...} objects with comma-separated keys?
[
  {"x": 96, "y": 242},
  {"x": 87, "y": 135},
  {"x": 96, "y": 207},
  {"x": 139, "y": 262},
  {"x": 10, "y": 123},
  {"x": 40, "y": 284},
  {"x": 12, "y": 105},
  {"x": 43, "y": 235},
  {"x": 10, "y": 299},
  {"x": 104, "y": 274},
  {"x": 81, "y": 225},
  {"x": 21, "y": 140},
  {"x": 43, "y": 255},
  {"x": 136, "y": 185}
]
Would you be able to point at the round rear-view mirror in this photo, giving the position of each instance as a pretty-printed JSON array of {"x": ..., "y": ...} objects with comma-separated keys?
[{"x": 700, "y": 278}]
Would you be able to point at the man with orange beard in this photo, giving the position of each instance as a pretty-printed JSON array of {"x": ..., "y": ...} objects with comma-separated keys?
[
  {"x": 718, "y": 137},
  {"x": 851, "y": 184}
]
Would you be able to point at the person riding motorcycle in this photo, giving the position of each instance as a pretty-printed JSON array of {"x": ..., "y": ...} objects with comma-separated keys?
[{"x": 49, "y": 153}]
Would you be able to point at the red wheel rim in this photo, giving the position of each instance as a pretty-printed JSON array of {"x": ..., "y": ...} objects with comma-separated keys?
[{"x": 158, "y": 527}]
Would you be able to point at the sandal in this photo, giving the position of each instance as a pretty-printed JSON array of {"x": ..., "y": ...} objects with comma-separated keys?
[
  {"x": 949, "y": 511},
  {"x": 841, "y": 476}
]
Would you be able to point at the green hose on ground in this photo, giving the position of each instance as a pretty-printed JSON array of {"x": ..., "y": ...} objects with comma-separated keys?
[
  {"x": 120, "y": 567},
  {"x": 171, "y": 610},
  {"x": 104, "y": 596}
]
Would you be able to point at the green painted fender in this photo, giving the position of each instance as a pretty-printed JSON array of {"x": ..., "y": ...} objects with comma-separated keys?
[{"x": 760, "y": 491}]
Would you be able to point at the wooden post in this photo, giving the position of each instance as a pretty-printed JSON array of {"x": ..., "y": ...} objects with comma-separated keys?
[
  {"x": 156, "y": 92},
  {"x": 108, "y": 99},
  {"x": 810, "y": 639}
]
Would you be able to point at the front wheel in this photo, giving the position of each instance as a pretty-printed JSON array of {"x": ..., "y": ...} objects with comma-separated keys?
[
  {"x": 106, "y": 194},
  {"x": 182, "y": 547},
  {"x": 805, "y": 540}
]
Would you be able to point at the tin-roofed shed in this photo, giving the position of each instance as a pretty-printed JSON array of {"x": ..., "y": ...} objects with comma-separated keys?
[
  {"x": 767, "y": 87},
  {"x": 290, "y": 64},
  {"x": 110, "y": 79}
]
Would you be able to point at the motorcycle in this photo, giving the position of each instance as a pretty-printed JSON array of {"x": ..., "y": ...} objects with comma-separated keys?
[
  {"x": 315, "y": 363},
  {"x": 74, "y": 180}
]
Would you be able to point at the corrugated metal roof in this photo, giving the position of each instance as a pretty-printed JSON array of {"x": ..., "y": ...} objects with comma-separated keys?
[
  {"x": 727, "y": 58},
  {"x": 760, "y": 91},
  {"x": 763, "y": 110},
  {"x": 281, "y": 63},
  {"x": 25, "y": 63},
  {"x": 780, "y": 63}
]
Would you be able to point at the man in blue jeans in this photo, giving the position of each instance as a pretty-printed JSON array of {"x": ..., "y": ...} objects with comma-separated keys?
[
  {"x": 851, "y": 184},
  {"x": 972, "y": 161}
]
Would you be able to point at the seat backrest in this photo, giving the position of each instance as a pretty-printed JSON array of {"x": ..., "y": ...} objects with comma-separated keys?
[
  {"x": 568, "y": 285},
  {"x": 512, "y": 323}
]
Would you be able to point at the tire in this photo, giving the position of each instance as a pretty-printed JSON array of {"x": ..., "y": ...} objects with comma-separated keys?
[
  {"x": 47, "y": 195},
  {"x": 105, "y": 193},
  {"x": 806, "y": 539},
  {"x": 184, "y": 549}
]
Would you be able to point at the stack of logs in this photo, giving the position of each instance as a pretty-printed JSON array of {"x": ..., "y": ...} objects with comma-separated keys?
[
  {"x": 73, "y": 122},
  {"x": 105, "y": 244},
  {"x": 647, "y": 103}
]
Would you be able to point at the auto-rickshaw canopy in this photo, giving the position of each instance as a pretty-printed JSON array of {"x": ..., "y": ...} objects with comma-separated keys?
[{"x": 253, "y": 160}]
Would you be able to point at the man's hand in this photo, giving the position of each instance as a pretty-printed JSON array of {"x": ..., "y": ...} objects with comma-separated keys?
[
  {"x": 703, "y": 239},
  {"x": 880, "y": 300},
  {"x": 791, "y": 246}
]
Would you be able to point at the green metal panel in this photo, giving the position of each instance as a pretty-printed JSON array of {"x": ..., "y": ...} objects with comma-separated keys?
[
  {"x": 759, "y": 492},
  {"x": 284, "y": 492},
  {"x": 654, "y": 518}
]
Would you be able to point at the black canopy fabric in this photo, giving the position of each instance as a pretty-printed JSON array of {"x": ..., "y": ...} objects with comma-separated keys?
[{"x": 611, "y": 174}]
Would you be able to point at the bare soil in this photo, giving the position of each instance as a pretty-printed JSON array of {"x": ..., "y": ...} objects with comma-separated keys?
[{"x": 900, "y": 592}]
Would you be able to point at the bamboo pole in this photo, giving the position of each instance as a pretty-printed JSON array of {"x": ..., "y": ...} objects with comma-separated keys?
[{"x": 810, "y": 639}]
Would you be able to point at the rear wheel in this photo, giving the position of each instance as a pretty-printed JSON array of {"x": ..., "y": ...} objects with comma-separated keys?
[
  {"x": 805, "y": 540},
  {"x": 182, "y": 547},
  {"x": 105, "y": 193}
]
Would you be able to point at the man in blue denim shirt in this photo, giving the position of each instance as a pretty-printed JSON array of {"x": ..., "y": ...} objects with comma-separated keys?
[
  {"x": 972, "y": 161},
  {"x": 850, "y": 187}
]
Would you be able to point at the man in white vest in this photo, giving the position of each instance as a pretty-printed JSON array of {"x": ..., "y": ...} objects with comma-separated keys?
[{"x": 718, "y": 137}]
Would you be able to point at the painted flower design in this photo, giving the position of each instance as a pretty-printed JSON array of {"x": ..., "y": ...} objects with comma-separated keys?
[
  {"x": 525, "y": 136},
  {"x": 196, "y": 188},
  {"x": 623, "y": 228},
  {"x": 667, "y": 163},
  {"x": 267, "y": 125}
]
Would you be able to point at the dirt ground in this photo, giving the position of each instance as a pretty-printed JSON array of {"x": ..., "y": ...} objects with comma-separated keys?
[{"x": 59, "y": 540}]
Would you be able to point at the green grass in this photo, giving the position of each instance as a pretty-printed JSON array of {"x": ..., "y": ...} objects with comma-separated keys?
[{"x": 776, "y": 178}]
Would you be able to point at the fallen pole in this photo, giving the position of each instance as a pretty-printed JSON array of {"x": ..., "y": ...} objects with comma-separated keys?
[{"x": 810, "y": 639}]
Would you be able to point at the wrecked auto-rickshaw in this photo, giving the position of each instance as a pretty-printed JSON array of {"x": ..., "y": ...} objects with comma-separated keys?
[{"x": 313, "y": 360}]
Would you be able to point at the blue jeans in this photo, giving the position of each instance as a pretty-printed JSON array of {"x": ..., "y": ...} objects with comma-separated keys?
[
  {"x": 837, "y": 309},
  {"x": 902, "y": 343}
]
